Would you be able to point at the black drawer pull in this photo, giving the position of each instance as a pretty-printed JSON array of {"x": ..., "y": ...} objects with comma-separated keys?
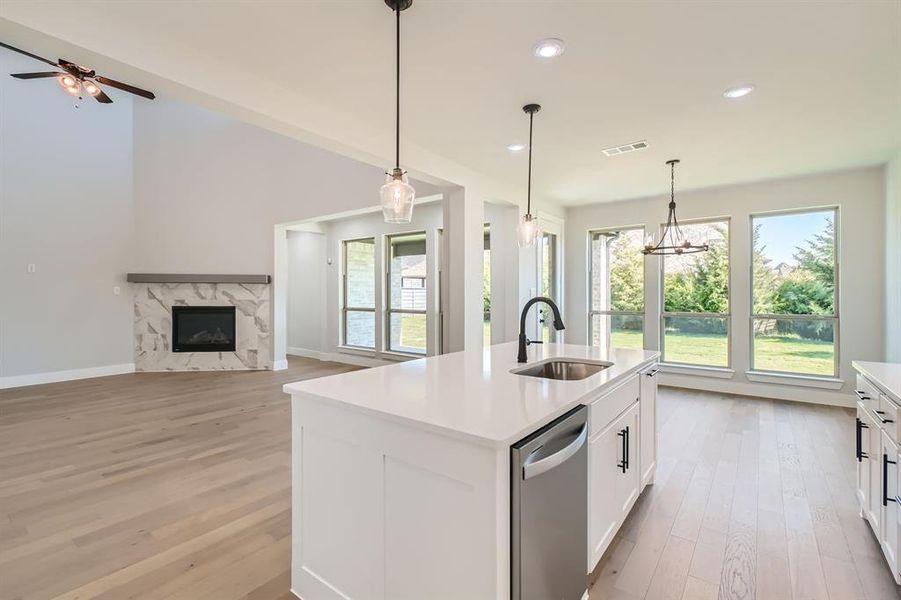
[
  {"x": 885, "y": 463},
  {"x": 624, "y": 464},
  {"x": 858, "y": 435},
  {"x": 879, "y": 414}
]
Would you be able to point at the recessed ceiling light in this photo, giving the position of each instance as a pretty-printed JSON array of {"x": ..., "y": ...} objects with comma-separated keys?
[
  {"x": 548, "y": 48},
  {"x": 516, "y": 147},
  {"x": 738, "y": 91}
]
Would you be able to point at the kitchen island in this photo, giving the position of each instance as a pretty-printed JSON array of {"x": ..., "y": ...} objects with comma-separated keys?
[{"x": 401, "y": 474}]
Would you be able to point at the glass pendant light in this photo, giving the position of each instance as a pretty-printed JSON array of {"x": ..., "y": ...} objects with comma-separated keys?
[
  {"x": 672, "y": 241},
  {"x": 397, "y": 194},
  {"x": 528, "y": 230}
]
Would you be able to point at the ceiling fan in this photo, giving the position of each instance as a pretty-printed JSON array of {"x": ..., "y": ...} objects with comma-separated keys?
[{"x": 76, "y": 79}]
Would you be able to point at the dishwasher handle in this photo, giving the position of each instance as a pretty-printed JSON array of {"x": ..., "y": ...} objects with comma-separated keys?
[{"x": 538, "y": 467}]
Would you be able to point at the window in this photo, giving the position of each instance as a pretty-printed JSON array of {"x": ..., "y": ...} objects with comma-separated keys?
[
  {"x": 486, "y": 287},
  {"x": 547, "y": 265},
  {"x": 407, "y": 293},
  {"x": 359, "y": 293},
  {"x": 695, "y": 317},
  {"x": 616, "y": 317},
  {"x": 794, "y": 320}
]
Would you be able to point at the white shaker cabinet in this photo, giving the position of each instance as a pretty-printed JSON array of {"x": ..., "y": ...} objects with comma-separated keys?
[
  {"x": 648, "y": 434},
  {"x": 878, "y": 389},
  {"x": 889, "y": 500},
  {"x": 621, "y": 456}
]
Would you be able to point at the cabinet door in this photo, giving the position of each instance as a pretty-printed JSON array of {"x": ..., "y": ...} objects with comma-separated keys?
[
  {"x": 888, "y": 499},
  {"x": 863, "y": 463},
  {"x": 647, "y": 434},
  {"x": 628, "y": 480},
  {"x": 603, "y": 513},
  {"x": 874, "y": 451}
]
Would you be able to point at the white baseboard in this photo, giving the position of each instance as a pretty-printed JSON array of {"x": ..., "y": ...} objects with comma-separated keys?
[
  {"x": 759, "y": 390},
  {"x": 13, "y": 381},
  {"x": 279, "y": 365},
  {"x": 305, "y": 352},
  {"x": 339, "y": 357}
]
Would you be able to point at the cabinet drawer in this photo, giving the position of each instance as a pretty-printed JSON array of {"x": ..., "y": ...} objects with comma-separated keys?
[
  {"x": 887, "y": 415},
  {"x": 867, "y": 393},
  {"x": 607, "y": 407}
]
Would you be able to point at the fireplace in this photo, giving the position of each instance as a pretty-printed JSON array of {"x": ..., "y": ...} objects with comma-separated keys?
[{"x": 203, "y": 328}]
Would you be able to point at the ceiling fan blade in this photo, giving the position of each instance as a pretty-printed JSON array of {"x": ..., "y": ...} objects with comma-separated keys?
[
  {"x": 36, "y": 75},
  {"x": 102, "y": 98},
  {"x": 29, "y": 54},
  {"x": 125, "y": 87}
]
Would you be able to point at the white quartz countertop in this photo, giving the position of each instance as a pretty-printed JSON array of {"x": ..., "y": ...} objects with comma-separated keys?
[
  {"x": 886, "y": 375},
  {"x": 474, "y": 395}
]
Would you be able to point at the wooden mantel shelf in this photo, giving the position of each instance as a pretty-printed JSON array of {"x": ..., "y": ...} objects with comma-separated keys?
[{"x": 195, "y": 278}]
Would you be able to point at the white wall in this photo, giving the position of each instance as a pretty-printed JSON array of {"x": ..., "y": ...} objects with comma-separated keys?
[
  {"x": 209, "y": 189},
  {"x": 306, "y": 290},
  {"x": 65, "y": 206},
  {"x": 860, "y": 196},
  {"x": 893, "y": 259}
]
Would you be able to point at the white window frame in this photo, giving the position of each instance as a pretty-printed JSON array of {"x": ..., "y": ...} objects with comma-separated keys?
[
  {"x": 344, "y": 307},
  {"x": 592, "y": 234},
  {"x": 693, "y": 315},
  {"x": 835, "y": 300},
  {"x": 390, "y": 311}
]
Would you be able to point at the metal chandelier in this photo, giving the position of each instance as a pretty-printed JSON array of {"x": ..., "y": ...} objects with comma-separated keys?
[{"x": 672, "y": 241}]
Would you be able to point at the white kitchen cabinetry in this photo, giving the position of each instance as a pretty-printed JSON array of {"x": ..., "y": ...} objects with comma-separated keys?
[
  {"x": 889, "y": 501},
  {"x": 648, "y": 434},
  {"x": 621, "y": 457},
  {"x": 878, "y": 461},
  {"x": 864, "y": 430}
]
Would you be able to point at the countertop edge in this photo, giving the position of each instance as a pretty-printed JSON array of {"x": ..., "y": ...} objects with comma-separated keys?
[
  {"x": 465, "y": 436},
  {"x": 861, "y": 367}
]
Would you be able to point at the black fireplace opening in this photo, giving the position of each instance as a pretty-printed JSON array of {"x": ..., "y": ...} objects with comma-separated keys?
[{"x": 203, "y": 328}]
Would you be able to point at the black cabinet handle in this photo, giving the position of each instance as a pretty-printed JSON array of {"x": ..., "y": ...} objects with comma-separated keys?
[
  {"x": 859, "y": 436},
  {"x": 860, "y": 427},
  {"x": 628, "y": 450},
  {"x": 652, "y": 372},
  {"x": 624, "y": 464},
  {"x": 862, "y": 395},
  {"x": 879, "y": 416},
  {"x": 885, "y": 463}
]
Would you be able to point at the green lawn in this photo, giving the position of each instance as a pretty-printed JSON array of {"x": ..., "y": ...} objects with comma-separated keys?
[
  {"x": 773, "y": 353},
  {"x": 412, "y": 333}
]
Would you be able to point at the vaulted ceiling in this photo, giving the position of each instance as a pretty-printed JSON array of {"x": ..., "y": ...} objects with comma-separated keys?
[{"x": 828, "y": 79}]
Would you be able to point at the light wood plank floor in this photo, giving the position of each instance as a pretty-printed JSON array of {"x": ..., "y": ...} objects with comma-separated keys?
[
  {"x": 150, "y": 485},
  {"x": 177, "y": 485},
  {"x": 754, "y": 499}
]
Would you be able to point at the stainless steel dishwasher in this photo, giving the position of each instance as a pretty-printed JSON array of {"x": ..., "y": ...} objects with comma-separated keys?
[{"x": 549, "y": 511}]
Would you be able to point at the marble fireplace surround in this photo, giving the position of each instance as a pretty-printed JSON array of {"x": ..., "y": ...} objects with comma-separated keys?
[{"x": 156, "y": 294}]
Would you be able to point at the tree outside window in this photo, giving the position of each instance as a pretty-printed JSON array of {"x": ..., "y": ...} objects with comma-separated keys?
[
  {"x": 794, "y": 273},
  {"x": 695, "y": 318}
]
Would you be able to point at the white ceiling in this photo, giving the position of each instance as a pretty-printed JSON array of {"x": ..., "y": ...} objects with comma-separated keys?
[{"x": 828, "y": 77}]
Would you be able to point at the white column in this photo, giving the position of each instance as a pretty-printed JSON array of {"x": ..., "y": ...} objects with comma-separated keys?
[{"x": 463, "y": 221}]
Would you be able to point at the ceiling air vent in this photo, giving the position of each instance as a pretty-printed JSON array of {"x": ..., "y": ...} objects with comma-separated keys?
[{"x": 613, "y": 151}]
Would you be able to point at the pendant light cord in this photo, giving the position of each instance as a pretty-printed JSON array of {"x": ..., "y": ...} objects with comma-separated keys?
[
  {"x": 529, "y": 187},
  {"x": 397, "y": 96}
]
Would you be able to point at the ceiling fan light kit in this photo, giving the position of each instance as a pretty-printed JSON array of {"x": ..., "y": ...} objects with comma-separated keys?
[
  {"x": 672, "y": 240},
  {"x": 77, "y": 80},
  {"x": 396, "y": 194}
]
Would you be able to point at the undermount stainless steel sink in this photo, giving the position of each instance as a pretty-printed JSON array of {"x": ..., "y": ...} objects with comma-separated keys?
[{"x": 565, "y": 369}]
